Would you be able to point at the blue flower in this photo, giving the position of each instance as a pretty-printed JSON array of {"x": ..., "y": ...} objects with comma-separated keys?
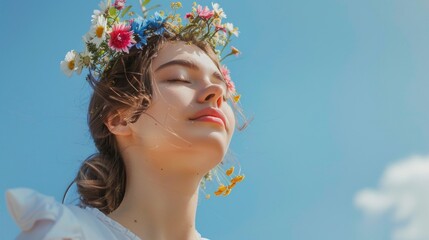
[
  {"x": 139, "y": 26},
  {"x": 156, "y": 23}
]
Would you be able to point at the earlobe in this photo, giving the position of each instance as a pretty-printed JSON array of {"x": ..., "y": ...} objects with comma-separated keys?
[{"x": 118, "y": 124}]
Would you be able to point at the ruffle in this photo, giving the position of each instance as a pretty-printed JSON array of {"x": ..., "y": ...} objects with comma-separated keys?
[
  {"x": 58, "y": 221},
  {"x": 27, "y": 207}
]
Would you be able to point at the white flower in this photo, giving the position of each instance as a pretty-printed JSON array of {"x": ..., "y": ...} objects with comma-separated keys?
[
  {"x": 97, "y": 33},
  {"x": 83, "y": 60},
  {"x": 69, "y": 64},
  {"x": 98, "y": 12},
  {"x": 218, "y": 11},
  {"x": 86, "y": 38},
  {"x": 220, "y": 39},
  {"x": 233, "y": 30}
]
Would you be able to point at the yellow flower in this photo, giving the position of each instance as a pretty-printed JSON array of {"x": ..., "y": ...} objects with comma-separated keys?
[
  {"x": 237, "y": 179},
  {"x": 237, "y": 98},
  {"x": 175, "y": 5},
  {"x": 220, "y": 190},
  {"x": 235, "y": 51},
  {"x": 227, "y": 192},
  {"x": 232, "y": 185},
  {"x": 207, "y": 196},
  {"x": 230, "y": 171}
]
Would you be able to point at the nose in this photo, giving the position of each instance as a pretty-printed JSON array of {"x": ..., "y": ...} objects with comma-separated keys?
[{"x": 212, "y": 93}]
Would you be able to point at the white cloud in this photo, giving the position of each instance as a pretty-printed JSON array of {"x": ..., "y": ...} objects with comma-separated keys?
[{"x": 403, "y": 191}]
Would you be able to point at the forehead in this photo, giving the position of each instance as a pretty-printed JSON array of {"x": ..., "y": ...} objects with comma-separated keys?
[{"x": 180, "y": 50}]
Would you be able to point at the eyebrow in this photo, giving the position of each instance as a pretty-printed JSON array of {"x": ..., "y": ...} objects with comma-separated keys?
[{"x": 188, "y": 64}]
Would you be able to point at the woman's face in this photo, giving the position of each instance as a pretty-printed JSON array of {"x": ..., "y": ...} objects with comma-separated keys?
[{"x": 189, "y": 124}]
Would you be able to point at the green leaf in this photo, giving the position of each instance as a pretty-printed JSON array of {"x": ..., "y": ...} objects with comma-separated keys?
[
  {"x": 125, "y": 11},
  {"x": 144, "y": 3},
  {"x": 113, "y": 12}
]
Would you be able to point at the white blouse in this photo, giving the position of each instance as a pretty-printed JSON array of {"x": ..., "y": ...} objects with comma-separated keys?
[{"x": 41, "y": 217}]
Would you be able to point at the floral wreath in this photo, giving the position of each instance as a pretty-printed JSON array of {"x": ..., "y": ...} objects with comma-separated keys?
[{"x": 115, "y": 31}]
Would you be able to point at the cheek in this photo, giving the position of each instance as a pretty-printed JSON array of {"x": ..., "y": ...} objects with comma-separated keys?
[
  {"x": 173, "y": 97},
  {"x": 229, "y": 113}
]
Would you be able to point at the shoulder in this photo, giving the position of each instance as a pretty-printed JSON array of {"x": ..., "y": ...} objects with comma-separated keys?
[{"x": 42, "y": 217}]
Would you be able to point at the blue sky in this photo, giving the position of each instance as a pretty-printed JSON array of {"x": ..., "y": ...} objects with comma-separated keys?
[{"x": 338, "y": 92}]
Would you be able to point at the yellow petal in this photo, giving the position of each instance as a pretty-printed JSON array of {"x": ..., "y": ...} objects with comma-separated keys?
[
  {"x": 237, "y": 179},
  {"x": 237, "y": 98},
  {"x": 235, "y": 51},
  {"x": 227, "y": 192},
  {"x": 220, "y": 190},
  {"x": 230, "y": 171}
]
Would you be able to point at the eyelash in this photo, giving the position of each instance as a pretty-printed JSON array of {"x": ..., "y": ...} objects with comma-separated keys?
[
  {"x": 186, "y": 81},
  {"x": 178, "y": 80}
]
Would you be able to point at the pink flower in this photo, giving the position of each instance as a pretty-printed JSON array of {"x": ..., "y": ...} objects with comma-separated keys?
[
  {"x": 220, "y": 28},
  {"x": 189, "y": 16},
  {"x": 204, "y": 13},
  {"x": 226, "y": 75},
  {"x": 121, "y": 38},
  {"x": 119, "y": 4}
]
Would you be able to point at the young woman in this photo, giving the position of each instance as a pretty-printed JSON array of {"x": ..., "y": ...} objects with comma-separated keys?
[{"x": 161, "y": 116}]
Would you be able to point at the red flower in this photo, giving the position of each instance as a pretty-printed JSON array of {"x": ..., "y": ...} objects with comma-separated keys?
[
  {"x": 226, "y": 75},
  {"x": 121, "y": 38},
  {"x": 189, "y": 16}
]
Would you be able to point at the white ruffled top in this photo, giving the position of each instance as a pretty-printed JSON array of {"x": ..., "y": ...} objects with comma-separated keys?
[{"x": 41, "y": 217}]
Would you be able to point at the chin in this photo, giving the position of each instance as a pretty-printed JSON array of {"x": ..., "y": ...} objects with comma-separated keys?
[{"x": 205, "y": 154}]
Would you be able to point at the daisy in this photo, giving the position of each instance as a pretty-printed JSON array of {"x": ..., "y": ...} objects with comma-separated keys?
[
  {"x": 68, "y": 66},
  {"x": 218, "y": 11},
  {"x": 83, "y": 60},
  {"x": 98, "y": 31},
  {"x": 98, "y": 12},
  {"x": 121, "y": 38},
  {"x": 233, "y": 30}
]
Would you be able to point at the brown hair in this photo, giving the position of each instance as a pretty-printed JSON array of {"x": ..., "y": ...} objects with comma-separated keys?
[{"x": 126, "y": 85}]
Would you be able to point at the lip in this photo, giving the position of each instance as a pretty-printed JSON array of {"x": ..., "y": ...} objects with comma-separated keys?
[{"x": 210, "y": 115}]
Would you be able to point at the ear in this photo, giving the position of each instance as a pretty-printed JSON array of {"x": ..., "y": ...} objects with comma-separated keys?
[{"x": 117, "y": 124}]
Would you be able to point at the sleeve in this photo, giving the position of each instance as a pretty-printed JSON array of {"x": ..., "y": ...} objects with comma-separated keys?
[{"x": 41, "y": 217}]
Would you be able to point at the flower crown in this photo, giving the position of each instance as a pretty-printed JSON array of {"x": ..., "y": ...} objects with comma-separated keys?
[{"x": 115, "y": 30}]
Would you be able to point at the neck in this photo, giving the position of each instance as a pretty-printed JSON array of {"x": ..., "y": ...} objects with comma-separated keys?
[{"x": 158, "y": 204}]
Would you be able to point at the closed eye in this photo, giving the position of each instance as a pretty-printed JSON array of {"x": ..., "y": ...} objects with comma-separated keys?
[{"x": 178, "y": 81}]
